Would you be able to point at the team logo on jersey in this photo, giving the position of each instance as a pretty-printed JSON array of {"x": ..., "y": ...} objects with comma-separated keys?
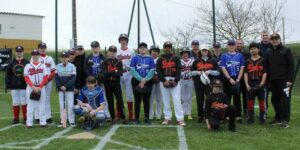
[
  {"x": 33, "y": 71},
  {"x": 18, "y": 70},
  {"x": 202, "y": 66},
  {"x": 48, "y": 65},
  {"x": 124, "y": 57},
  {"x": 232, "y": 63},
  {"x": 111, "y": 68},
  {"x": 142, "y": 66}
]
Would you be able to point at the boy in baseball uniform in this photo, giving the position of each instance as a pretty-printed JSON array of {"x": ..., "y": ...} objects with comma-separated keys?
[
  {"x": 49, "y": 62},
  {"x": 65, "y": 83},
  {"x": 168, "y": 69},
  {"x": 15, "y": 81},
  {"x": 186, "y": 81},
  {"x": 125, "y": 55},
  {"x": 36, "y": 77}
]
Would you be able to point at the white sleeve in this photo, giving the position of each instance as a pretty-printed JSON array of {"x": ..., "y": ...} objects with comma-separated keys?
[{"x": 26, "y": 69}]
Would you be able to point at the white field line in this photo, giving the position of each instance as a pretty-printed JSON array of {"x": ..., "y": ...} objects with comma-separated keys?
[
  {"x": 8, "y": 127},
  {"x": 121, "y": 143},
  {"x": 10, "y": 117},
  {"x": 106, "y": 138},
  {"x": 22, "y": 143},
  {"x": 15, "y": 147},
  {"x": 53, "y": 137},
  {"x": 182, "y": 139}
]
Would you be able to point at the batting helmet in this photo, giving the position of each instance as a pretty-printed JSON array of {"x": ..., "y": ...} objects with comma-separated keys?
[
  {"x": 123, "y": 36},
  {"x": 154, "y": 48},
  {"x": 88, "y": 124},
  {"x": 42, "y": 45},
  {"x": 185, "y": 50},
  {"x": 168, "y": 44}
]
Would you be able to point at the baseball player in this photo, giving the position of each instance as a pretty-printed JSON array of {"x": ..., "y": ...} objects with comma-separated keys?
[
  {"x": 205, "y": 65},
  {"x": 142, "y": 69},
  {"x": 186, "y": 81},
  {"x": 92, "y": 66},
  {"x": 49, "y": 62},
  {"x": 65, "y": 82},
  {"x": 125, "y": 54},
  {"x": 15, "y": 81},
  {"x": 112, "y": 69},
  {"x": 91, "y": 104},
  {"x": 168, "y": 68},
  {"x": 80, "y": 76},
  {"x": 255, "y": 78},
  {"x": 232, "y": 64},
  {"x": 36, "y": 77},
  {"x": 217, "y": 108},
  {"x": 155, "y": 92}
]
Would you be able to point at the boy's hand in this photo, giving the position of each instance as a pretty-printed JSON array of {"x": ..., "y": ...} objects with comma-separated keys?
[
  {"x": 232, "y": 82},
  {"x": 63, "y": 88},
  {"x": 92, "y": 113},
  {"x": 248, "y": 87}
]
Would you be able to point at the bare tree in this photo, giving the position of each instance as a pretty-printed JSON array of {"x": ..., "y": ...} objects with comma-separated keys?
[{"x": 181, "y": 36}]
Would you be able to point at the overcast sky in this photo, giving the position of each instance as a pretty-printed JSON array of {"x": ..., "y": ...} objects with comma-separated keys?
[{"x": 104, "y": 20}]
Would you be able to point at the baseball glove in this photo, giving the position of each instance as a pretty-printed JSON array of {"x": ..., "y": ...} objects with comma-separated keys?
[
  {"x": 35, "y": 96},
  {"x": 145, "y": 89}
]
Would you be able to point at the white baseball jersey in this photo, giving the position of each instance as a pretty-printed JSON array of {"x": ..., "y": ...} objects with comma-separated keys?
[
  {"x": 125, "y": 56},
  {"x": 49, "y": 62},
  {"x": 186, "y": 69},
  {"x": 35, "y": 73}
]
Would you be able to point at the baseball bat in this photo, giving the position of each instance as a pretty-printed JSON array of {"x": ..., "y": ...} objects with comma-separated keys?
[{"x": 64, "y": 116}]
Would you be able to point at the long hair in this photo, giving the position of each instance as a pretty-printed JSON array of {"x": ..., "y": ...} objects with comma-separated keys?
[{"x": 209, "y": 55}]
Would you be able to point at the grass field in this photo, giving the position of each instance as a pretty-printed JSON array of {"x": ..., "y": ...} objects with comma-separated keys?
[{"x": 194, "y": 136}]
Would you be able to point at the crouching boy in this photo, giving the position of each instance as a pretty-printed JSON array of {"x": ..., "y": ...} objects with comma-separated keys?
[
  {"x": 91, "y": 105},
  {"x": 217, "y": 108}
]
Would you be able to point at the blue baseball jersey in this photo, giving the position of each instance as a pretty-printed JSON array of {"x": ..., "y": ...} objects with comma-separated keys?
[
  {"x": 232, "y": 63},
  {"x": 97, "y": 61},
  {"x": 142, "y": 64},
  {"x": 93, "y": 97}
]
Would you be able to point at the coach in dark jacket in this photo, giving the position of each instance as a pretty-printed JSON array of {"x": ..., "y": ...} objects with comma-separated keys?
[
  {"x": 79, "y": 64},
  {"x": 281, "y": 71}
]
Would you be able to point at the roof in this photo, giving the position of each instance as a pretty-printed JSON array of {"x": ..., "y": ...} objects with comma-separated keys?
[{"x": 20, "y": 14}]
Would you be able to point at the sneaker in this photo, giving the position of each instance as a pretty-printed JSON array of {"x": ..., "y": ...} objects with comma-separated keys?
[
  {"x": 166, "y": 122},
  {"x": 43, "y": 126},
  {"x": 151, "y": 117},
  {"x": 158, "y": 118},
  {"x": 233, "y": 130},
  {"x": 60, "y": 125},
  {"x": 274, "y": 122},
  {"x": 239, "y": 120},
  {"x": 28, "y": 127},
  {"x": 15, "y": 121},
  {"x": 49, "y": 121},
  {"x": 181, "y": 123},
  {"x": 190, "y": 117},
  {"x": 284, "y": 125},
  {"x": 73, "y": 125},
  {"x": 148, "y": 121}
]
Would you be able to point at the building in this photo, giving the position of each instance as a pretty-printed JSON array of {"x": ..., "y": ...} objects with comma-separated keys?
[{"x": 20, "y": 29}]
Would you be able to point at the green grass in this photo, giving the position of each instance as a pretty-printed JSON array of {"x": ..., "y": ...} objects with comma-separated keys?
[{"x": 198, "y": 137}]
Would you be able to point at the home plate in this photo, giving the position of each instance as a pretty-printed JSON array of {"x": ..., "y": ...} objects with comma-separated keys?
[{"x": 80, "y": 136}]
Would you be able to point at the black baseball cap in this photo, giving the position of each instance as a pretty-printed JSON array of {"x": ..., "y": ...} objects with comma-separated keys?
[
  {"x": 64, "y": 54},
  {"x": 254, "y": 45},
  {"x": 167, "y": 44},
  {"x": 112, "y": 49},
  {"x": 195, "y": 42},
  {"x": 71, "y": 51},
  {"x": 95, "y": 44},
  {"x": 231, "y": 42},
  {"x": 275, "y": 36},
  {"x": 19, "y": 48},
  {"x": 42, "y": 45},
  {"x": 217, "y": 45},
  {"x": 35, "y": 52},
  {"x": 143, "y": 44}
]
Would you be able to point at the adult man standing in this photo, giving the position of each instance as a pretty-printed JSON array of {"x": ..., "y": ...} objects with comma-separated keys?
[
  {"x": 80, "y": 76},
  {"x": 281, "y": 72},
  {"x": 125, "y": 55}
]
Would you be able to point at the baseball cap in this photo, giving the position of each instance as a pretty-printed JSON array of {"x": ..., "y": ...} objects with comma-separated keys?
[
  {"x": 79, "y": 47},
  {"x": 195, "y": 42},
  {"x": 167, "y": 44},
  {"x": 71, "y": 51},
  {"x": 112, "y": 48},
  {"x": 143, "y": 44},
  {"x": 231, "y": 42},
  {"x": 217, "y": 45},
  {"x": 95, "y": 44},
  {"x": 204, "y": 47},
  {"x": 275, "y": 36},
  {"x": 35, "y": 52},
  {"x": 19, "y": 48},
  {"x": 64, "y": 54},
  {"x": 42, "y": 45}
]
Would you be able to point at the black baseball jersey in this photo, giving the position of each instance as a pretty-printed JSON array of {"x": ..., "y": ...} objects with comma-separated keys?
[
  {"x": 168, "y": 65},
  {"x": 14, "y": 78},
  {"x": 255, "y": 69}
]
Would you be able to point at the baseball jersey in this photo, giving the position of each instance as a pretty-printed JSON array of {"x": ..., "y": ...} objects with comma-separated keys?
[
  {"x": 125, "y": 56},
  {"x": 186, "y": 69},
  {"x": 255, "y": 69},
  {"x": 65, "y": 76},
  {"x": 142, "y": 64},
  {"x": 35, "y": 73},
  {"x": 93, "y": 97},
  {"x": 49, "y": 63},
  {"x": 232, "y": 63}
]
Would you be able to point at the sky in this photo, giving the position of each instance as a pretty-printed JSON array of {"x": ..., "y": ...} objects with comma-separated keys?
[{"x": 104, "y": 20}]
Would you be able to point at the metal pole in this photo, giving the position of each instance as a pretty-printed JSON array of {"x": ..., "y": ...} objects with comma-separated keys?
[
  {"x": 138, "y": 41},
  {"x": 149, "y": 23},
  {"x": 214, "y": 20},
  {"x": 74, "y": 23},
  {"x": 283, "y": 31},
  {"x": 131, "y": 17},
  {"x": 56, "y": 47}
]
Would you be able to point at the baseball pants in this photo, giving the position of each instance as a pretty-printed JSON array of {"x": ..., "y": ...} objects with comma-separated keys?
[
  {"x": 67, "y": 99},
  {"x": 187, "y": 88},
  {"x": 155, "y": 94}
]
